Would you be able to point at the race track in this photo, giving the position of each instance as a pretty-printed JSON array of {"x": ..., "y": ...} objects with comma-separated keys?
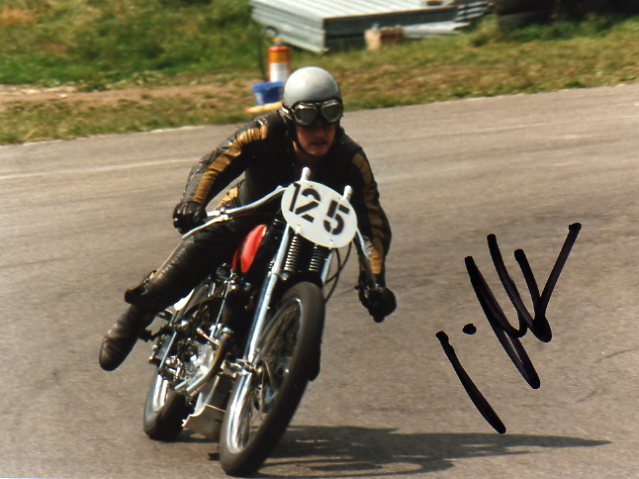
[{"x": 82, "y": 220}]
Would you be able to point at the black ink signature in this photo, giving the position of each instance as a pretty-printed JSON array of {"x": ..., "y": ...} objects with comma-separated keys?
[{"x": 507, "y": 334}]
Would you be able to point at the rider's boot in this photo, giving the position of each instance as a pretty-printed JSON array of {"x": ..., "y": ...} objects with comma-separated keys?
[{"x": 122, "y": 336}]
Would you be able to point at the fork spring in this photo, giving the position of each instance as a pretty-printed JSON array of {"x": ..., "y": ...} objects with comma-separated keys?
[
  {"x": 293, "y": 256},
  {"x": 318, "y": 257}
]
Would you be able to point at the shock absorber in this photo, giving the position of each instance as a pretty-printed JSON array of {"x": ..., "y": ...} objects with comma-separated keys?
[
  {"x": 318, "y": 257},
  {"x": 293, "y": 256}
]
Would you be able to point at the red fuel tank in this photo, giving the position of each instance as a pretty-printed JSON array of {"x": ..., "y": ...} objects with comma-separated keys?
[{"x": 245, "y": 254}]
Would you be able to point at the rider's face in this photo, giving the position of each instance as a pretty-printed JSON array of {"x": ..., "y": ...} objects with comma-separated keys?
[{"x": 316, "y": 139}]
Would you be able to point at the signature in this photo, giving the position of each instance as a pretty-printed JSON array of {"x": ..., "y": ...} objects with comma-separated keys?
[{"x": 507, "y": 334}]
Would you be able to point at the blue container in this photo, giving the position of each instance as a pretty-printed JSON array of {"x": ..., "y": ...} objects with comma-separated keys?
[{"x": 268, "y": 92}]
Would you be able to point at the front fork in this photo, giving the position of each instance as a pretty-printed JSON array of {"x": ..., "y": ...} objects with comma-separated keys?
[
  {"x": 266, "y": 295},
  {"x": 274, "y": 275}
]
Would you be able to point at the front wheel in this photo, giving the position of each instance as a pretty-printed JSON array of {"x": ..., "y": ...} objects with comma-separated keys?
[
  {"x": 165, "y": 410},
  {"x": 263, "y": 402}
]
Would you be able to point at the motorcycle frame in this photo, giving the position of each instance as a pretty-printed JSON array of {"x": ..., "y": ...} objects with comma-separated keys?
[{"x": 246, "y": 364}]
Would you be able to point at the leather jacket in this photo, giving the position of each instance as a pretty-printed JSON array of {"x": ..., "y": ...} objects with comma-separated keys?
[{"x": 263, "y": 151}]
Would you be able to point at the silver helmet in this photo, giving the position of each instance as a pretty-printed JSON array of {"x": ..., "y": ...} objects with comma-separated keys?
[
  {"x": 311, "y": 93},
  {"x": 310, "y": 84}
]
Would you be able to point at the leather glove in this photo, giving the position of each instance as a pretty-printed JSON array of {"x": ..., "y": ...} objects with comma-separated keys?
[
  {"x": 187, "y": 215},
  {"x": 378, "y": 300}
]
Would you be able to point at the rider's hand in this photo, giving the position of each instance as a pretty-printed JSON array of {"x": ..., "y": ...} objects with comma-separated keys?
[
  {"x": 378, "y": 300},
  {"x": 187, "y": 215}
]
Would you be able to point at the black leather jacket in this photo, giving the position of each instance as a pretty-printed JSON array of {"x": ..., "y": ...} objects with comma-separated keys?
[{"x": 263, "y": 151}]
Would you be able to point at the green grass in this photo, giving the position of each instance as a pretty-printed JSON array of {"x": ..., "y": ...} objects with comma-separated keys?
[
  {"x": 118, "y": 44},
  {"x": 63, "y": 120},
  {"x": 97, "y": 42}
]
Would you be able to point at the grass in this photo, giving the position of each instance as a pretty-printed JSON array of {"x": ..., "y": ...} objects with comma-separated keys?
[
  {"x": 116, "y": 45},
  {"x": 92, "y": 42},
  {"x": 58, "y": 119}
]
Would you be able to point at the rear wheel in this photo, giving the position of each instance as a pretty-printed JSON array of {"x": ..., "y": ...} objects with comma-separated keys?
[
  {"x": 165, "y": 410},
  {"x": 263, "y": 402}
]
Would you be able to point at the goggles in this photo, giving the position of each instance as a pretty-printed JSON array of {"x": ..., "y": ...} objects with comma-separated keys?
[{"x": 305, "y": 114}]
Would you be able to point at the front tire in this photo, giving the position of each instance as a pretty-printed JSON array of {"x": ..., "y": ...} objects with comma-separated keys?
[
  {"x": 165, "y": 410},
  {"x": 263, "y": 403}
]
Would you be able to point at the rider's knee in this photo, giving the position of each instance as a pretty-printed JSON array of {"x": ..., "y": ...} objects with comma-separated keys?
[{"x": 146, "y": 295}]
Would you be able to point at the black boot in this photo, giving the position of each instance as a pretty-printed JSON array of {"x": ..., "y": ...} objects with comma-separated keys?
[{"x": 121, "y": 338}]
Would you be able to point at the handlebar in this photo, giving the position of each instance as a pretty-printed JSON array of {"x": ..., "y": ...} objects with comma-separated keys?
[{"x": 223, "y": 214}]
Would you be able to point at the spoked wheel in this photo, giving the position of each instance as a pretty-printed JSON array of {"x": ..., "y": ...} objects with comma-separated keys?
[
  {"x": 263, "y": 402},
  {"x": 165, "y": 410}
]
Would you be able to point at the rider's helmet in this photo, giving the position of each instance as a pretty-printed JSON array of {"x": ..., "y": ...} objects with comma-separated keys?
[{"x": 311, "y": 94}]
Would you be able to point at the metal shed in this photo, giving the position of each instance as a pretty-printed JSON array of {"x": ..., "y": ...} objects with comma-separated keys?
[{"x": 322, "y": 25}]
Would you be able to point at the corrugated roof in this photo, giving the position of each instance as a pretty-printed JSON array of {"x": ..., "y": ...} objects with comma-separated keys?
[
  {"x": 326, "y": 9},
  {"x": 321, "y": 25}
]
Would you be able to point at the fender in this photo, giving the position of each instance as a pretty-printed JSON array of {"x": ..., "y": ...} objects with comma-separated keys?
[
  {"x": 288, "y": 282},
  {"x": 302, "y": 276}
]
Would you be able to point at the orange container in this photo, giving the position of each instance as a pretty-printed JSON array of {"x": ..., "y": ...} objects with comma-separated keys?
[{"x": 278, "y": 60}]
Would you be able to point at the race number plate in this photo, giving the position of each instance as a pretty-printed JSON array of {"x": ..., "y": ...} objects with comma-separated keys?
[{"x": 319, "y": 214}]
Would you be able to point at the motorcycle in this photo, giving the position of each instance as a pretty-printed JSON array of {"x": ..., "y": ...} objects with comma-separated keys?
[{"x": 234, "y": 357}]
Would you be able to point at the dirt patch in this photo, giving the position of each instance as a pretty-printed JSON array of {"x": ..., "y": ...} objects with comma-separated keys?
[{"x": 11, "y": 96}]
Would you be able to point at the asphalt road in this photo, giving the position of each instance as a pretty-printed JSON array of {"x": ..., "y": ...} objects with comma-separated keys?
[{"x": 80, "y": 221}]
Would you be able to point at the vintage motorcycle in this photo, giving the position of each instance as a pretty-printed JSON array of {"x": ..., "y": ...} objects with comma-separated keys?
[{"x": 234, "y": 357}]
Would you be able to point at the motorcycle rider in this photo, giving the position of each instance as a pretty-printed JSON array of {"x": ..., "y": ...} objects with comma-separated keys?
[{"x": 270, "y": 151}]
